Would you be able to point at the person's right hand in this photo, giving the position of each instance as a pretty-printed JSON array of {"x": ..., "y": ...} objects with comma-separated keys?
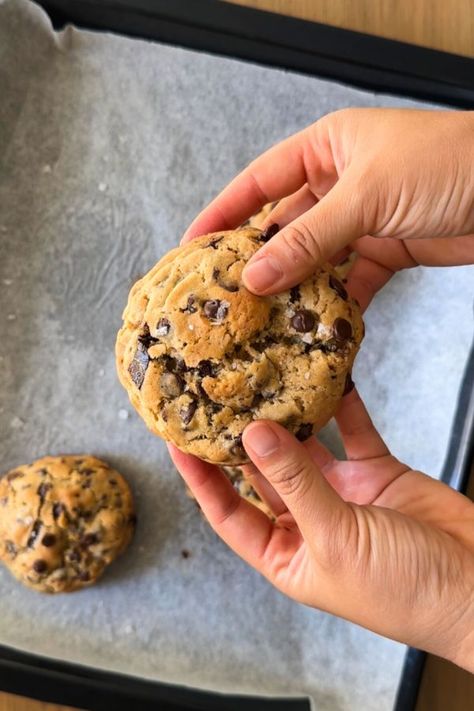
[{"x": 400, "y": 176}]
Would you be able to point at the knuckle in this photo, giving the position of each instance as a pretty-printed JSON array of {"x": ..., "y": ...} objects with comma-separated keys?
[
  {"x": 300, "y": 244},
  {"x": 290, "y": 479}
]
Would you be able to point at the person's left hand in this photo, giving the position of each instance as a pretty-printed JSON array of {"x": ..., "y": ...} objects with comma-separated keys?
[{"x": 367, "y": 539}]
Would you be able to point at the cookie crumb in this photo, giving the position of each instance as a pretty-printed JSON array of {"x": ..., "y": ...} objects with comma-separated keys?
[
  {"x": 185, "y": 553},
  {"x": 7, "y": 282},
  {"x": 123, "y": 414},
  {"x": 11, "y": 317},
  {"x": 102, "y": 187},
  {"x": 46, "y": 168}
]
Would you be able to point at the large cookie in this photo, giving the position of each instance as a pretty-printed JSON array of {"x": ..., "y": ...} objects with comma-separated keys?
[
  {"x": 201, "y": 357},
  {"x": 63, "y": 520}
]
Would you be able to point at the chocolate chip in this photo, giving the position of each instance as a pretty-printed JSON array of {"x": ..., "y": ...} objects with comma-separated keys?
[
  {"x": 139, "y": 364},
  {"x": 11, "y": 548},
  {"x": 304, "y": 432},
  {"x": 237, "y": 448},
  {"x": 338, "y": 287},
  {"x": 89, "y": 539},
  {"x": 206, "y": 369},
  {"x": 40, "y": 566},
  {"x": 303, "y": 321},
  {"x": 43, "y": 490},
  {"x": 342, "y": 329},
  {"x": 187, "y": 413},
  {"x": 57, "y": 510},
  {"x": 84, "y": 576},
  {"x": 171, "y": 385},
  {"x": 14, "y": 475},
  {"x": 113, "y": 482},
  {"x": 145, "y": 337},
  {"x": 228, "y": 286},
  {"x": 214, "y": 242},
  {"x": 190, "y": 308},
  {"x": 163, "y": 327},
  {"x": 295, "y": 294},
  {"x": 49, "y": 540},
  {"x": 34, "y": 533},
  {"x": 215, "y": 310},
  {"x": 269, "y": 232},
  {"x": 330, "y": 346},
  {"x": 349, "y": 384},
  {"x": 86, "y": 471},
  {"x": 75, "y": 555}
]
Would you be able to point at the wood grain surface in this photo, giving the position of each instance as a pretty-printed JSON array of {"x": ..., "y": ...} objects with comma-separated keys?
[{"x": 442, "y": 24}]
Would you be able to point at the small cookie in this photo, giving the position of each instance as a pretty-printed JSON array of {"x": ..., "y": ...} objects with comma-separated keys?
[
  {"x": 63, "y": 520},
  {"x": 201, "y": 357}
]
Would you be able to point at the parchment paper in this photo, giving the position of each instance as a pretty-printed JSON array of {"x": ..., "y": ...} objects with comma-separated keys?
[{"x": 108, "y": 149}]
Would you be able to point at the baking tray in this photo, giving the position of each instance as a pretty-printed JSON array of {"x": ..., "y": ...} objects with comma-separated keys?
[{"x": 356, "y": 59}]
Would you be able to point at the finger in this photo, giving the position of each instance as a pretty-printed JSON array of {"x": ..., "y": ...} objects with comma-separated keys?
[
  {"x": 359, "y": 436},
  {"x": 241, "y": 525},
  {"x": 305, "y": 157},
  {"x": 311, "y": 239},
  {"x": 287, "y": 465},
  {"x": 264, "y": 489},
  {"x": 320, "y": 454},
  {"x": 365, "y": 279},
  {"x": 291, "y": 207}
]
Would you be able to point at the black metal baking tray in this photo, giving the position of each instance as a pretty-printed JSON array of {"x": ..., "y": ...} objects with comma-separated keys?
[{"x": 356, "y": 59}]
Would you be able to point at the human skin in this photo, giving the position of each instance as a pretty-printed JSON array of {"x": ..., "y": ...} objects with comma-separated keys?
[{"x": 367, "y": 539}]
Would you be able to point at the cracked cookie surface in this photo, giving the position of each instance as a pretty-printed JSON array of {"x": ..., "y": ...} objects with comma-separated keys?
[
  {"x": 63, "y": 520},
  {"x": 201, "y": 357}
]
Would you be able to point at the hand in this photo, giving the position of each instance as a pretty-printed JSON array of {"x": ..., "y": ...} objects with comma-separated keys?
[
  {"x": 400, "y": 176},
  {"x": 367, "y": 539}
]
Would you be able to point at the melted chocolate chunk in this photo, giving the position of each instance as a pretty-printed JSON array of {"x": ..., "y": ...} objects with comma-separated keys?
[
  {"x": 338, "y": 287},
  {"x": 75, "y": 555},
  {"x": 304, "y": 432},
  {"x": 295, "y": 294},
  {"x": 34, "y": 533},
  {"x": 163, "y": 327},
  {"x": 49, "y": 540},
  {"x": 171, "y": 385},
  {"x": 269, "y": 232},
  {"x": 187, "y": 413},
  {"x": 57, "y": 510},
  {"x": 139, "y": 364},
  {"x": 89, "y": 539},
  {"x": 237, "y": 448},
  {"x": 84, "y": 576},
  {"x": 86, "y": 471},
  {"x": 206, "y": 369},
  {"x": 190, "y": 307},
  {"x": 14, "y": 475},
  {"x": 341, "y": 329},
  {"x": 145, "y": 337},
  {"x": 215, "y": 310},
  {"x": 11, "y": 548},
  {"x": 214, "y": 242},
  {"x": 40, "y": 566},
  {"x": 349, "y": 384},
  {"x": 43, "y": 490},
  {"x": 228, "y": 286},
  {"x": 303, "y": 321}
]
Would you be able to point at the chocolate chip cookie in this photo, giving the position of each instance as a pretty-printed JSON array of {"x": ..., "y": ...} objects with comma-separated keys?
[
  {"x": 246, "y": 490},
  {"x": 201, "y": 357},
  {"x": 63, "y": 520}
]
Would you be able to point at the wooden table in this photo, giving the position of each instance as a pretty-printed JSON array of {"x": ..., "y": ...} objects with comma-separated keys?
[{"x": 442, "y": 24}]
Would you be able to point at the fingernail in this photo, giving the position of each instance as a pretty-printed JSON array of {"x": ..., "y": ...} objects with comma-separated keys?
[
  {"x": 261, "y": 439},
  {"x": 262, "y": 272}
]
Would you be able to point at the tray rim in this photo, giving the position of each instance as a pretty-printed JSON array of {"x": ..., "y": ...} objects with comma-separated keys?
[{"x": 358, "y": 60}]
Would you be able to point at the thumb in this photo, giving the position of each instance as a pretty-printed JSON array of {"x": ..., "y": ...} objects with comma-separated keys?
[
  {"x": 311, "y": 239},
  {"x": 286, "y": 464}
]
